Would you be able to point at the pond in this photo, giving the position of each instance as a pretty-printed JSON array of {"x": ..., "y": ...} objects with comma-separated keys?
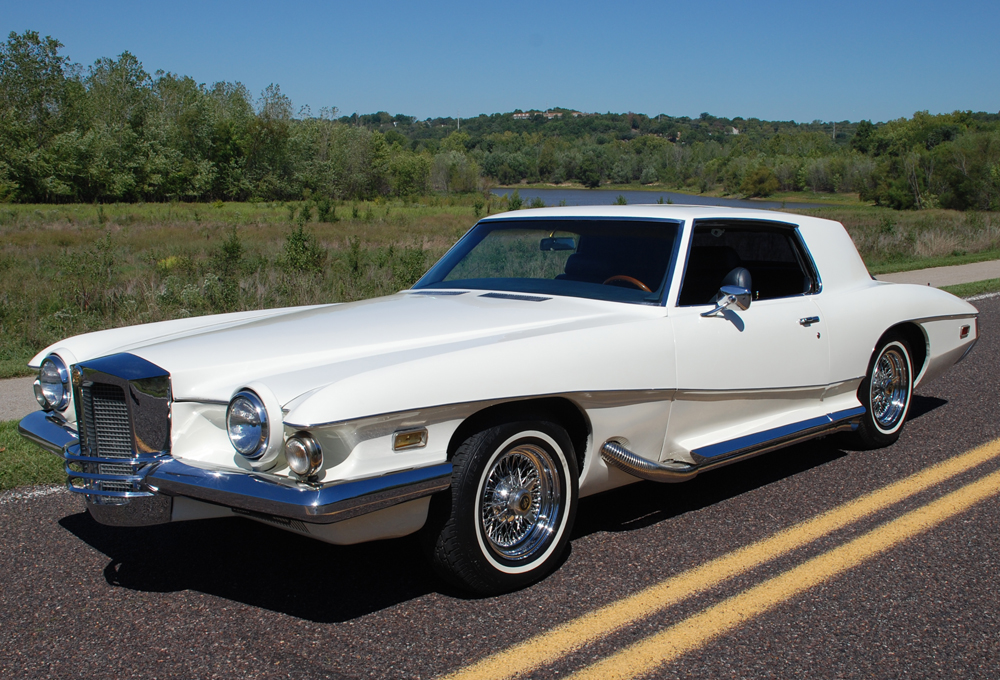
[{"x": 607, "y": 197}]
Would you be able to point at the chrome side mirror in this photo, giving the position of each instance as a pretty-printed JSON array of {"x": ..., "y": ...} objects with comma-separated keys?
[{"x": 729, "y": 296}]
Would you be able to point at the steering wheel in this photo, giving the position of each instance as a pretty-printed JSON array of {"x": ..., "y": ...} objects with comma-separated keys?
[{"x": 628, "y": 279}]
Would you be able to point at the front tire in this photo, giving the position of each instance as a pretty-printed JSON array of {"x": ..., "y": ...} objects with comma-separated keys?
[
  {"x": 886, "y": 393},
  {"x": 513, "y": 500}
]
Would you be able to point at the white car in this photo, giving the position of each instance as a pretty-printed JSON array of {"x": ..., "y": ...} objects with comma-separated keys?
[{"x": 551, "y": 354}]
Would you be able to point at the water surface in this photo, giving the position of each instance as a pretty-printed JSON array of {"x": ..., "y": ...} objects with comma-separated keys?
[{"x": 604, "y": 197}]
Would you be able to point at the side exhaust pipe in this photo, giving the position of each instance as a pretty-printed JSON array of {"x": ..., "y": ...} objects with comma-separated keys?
[{"x": 616, "y": 455}]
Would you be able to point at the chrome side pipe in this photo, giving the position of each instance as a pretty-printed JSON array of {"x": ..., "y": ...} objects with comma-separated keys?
[
  {"x": 709, "y": 457},
  {"x": 616, "y": 455}
]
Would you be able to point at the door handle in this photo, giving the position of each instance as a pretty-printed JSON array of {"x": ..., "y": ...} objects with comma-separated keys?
[{"x": 809, "y": 321}]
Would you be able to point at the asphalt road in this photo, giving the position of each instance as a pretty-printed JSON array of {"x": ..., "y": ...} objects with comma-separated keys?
[{"x": 909, "y": 588}]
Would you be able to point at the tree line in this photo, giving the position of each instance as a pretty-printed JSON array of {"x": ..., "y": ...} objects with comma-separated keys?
[{"x": 112, "y": 132}]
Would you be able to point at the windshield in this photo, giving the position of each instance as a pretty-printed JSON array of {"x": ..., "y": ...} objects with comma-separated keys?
[{"x": 601, "y": 259}]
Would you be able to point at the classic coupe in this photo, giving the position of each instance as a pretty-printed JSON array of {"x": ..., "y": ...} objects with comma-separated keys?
[{"x": 551, "y": 354}]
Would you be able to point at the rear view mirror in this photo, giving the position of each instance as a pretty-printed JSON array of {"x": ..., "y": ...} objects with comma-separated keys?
[{"x": 558, "y": 243}]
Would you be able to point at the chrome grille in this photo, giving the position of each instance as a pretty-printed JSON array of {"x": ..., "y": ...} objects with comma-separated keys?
[
  {"x": 107, "y": 466},
  {"x": 106, "y": 418}
]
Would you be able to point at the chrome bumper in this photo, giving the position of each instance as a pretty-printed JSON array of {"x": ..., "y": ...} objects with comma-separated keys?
[{"x": 253, "y": 492}]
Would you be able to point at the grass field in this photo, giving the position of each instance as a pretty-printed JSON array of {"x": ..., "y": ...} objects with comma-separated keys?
[
  {"x": 23, "y": 463},
  {"x": 966, "y": 290}
]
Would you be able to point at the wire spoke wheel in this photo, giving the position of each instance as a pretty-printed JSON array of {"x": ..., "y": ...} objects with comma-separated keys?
[
  {"x": 509, "y": 516},
  {"x": 885, "y": 393},
  {"x": 890, "y": 388},
  {"x": 520, "y": 501}
]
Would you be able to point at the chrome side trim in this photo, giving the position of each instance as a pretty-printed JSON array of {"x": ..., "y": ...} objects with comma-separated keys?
[
  {"x": 778, "y": 437},
  {"x": 701, "y": 394},
  {"x": 724, "y": 453},
  {"x": 616, "y": 455},
  {"x": 383, "y": 424},
  {"x": 943, "y": 317},
  {"x": 282, "y": 497}
]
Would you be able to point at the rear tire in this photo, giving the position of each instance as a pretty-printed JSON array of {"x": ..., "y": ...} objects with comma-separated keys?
[
  {"x": 513, "y": 500},
  {"x": 886, "y": 393}
]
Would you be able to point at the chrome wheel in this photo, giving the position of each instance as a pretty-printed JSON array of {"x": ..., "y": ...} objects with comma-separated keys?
[
  {"x": 520, "y": 502},
  {"x": 886, "y": 393},
  {"x": 890, "y": 387}
]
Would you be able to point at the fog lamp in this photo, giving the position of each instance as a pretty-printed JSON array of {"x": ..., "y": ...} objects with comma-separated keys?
[{"x": 303, "y": 454}]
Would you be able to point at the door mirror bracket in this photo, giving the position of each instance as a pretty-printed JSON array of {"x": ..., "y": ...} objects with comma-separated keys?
[{"x": 729, "y": 296}]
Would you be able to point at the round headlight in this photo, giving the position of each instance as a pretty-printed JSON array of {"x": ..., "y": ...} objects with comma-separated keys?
[
  {"x": 246, "y": 420},
  {"x": 303, "y": 454},
  {"x": 52, "y": 386}
]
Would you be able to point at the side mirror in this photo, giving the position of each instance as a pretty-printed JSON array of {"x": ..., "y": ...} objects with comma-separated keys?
[
  {"x": 729, "y": 296},
  {"x": 557, "y": 243}
]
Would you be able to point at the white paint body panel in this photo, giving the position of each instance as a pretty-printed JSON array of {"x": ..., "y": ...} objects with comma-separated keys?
[{"x": 662, "y": 377}]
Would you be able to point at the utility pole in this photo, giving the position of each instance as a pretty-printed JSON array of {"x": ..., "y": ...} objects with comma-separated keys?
[{"x": 459, "y": 121}]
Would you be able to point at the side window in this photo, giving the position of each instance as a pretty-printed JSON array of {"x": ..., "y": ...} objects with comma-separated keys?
[{"x": 770, "y": 253}]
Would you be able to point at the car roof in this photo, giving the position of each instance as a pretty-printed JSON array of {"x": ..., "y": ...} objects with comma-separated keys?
[{"x": 648, "y": 211}]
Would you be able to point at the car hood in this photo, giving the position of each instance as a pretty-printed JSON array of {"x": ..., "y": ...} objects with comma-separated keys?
[{"x": 298, "y": 350}]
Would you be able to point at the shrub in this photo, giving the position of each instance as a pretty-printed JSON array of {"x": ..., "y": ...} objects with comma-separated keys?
[{"x": 759, "y": 182}]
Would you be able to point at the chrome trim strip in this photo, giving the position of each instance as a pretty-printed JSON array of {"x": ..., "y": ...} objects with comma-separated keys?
[
  {"x": 102, "y": 477},
  {"x": 107, "y": 494},
  {"x": 419, "y": 417},
  {"x": 692, "y": 393},
  {"x": 943, "y": 317},
  {"x": 812, "y": 261},
  {"x": 776, "y": 437},
  {"x": 282, "y": 497}
]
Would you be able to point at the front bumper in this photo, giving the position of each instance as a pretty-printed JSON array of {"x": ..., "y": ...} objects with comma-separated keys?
[{"x": 161, "y": 480}]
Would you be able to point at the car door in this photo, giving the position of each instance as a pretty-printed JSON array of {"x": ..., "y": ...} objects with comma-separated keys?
[{"x": 745, "y": 372}]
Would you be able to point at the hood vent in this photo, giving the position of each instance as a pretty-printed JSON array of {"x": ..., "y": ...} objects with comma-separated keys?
[{"x": 512, "y": 296}]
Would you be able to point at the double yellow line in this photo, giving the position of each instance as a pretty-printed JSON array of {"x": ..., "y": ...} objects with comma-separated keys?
[{"x": 695, "y": 631}]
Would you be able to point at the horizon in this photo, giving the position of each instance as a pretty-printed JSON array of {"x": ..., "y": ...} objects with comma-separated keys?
[{"x": 784, "y": 62}]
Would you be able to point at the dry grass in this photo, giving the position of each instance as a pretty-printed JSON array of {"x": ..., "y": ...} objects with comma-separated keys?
[{"x": 890, "y": 240}]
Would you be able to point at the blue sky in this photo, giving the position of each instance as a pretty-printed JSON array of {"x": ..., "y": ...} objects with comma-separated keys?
[{"x": 772, "y": 60}]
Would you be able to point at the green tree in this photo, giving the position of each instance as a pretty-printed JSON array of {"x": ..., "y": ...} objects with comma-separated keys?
[
  {"x": 759, "y": 182},
  {"x": 588, "y": 172}
]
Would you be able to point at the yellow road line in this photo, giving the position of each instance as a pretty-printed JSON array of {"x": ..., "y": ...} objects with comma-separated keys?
[
  {"x": 565, "y": 638},
  {"x": 696, "y": 631}
]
